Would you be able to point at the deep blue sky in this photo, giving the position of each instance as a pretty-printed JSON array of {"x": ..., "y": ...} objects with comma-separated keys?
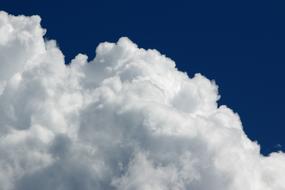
[{"x": 239, "y": 44}]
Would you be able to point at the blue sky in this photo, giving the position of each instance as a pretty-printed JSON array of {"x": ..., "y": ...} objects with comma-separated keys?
[{"x": 240, "y": 45}]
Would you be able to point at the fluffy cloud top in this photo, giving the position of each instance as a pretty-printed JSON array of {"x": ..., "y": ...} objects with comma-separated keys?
[{"x": 126, "y": 120}]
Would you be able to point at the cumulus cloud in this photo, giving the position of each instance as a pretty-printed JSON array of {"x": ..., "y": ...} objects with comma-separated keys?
[{"x": 126, "y": 120}]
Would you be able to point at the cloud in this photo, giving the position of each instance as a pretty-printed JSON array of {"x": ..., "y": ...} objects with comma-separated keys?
[{"x": 126, "y": 120}]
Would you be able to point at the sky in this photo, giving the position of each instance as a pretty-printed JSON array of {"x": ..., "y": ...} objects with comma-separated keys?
[
  {"x": 238, "y": 44},
  {"x": 141, "y": 95}
]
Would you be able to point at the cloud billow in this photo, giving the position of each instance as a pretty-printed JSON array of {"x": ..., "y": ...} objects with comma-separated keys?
[{"x": 126, "y": 120}]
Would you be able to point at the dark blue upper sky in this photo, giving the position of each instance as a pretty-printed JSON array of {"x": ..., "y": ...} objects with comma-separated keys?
[{"x": 239, "y": 44}]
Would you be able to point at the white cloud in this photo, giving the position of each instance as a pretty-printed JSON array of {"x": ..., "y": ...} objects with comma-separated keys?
[{"x": 126, "y": 120}]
